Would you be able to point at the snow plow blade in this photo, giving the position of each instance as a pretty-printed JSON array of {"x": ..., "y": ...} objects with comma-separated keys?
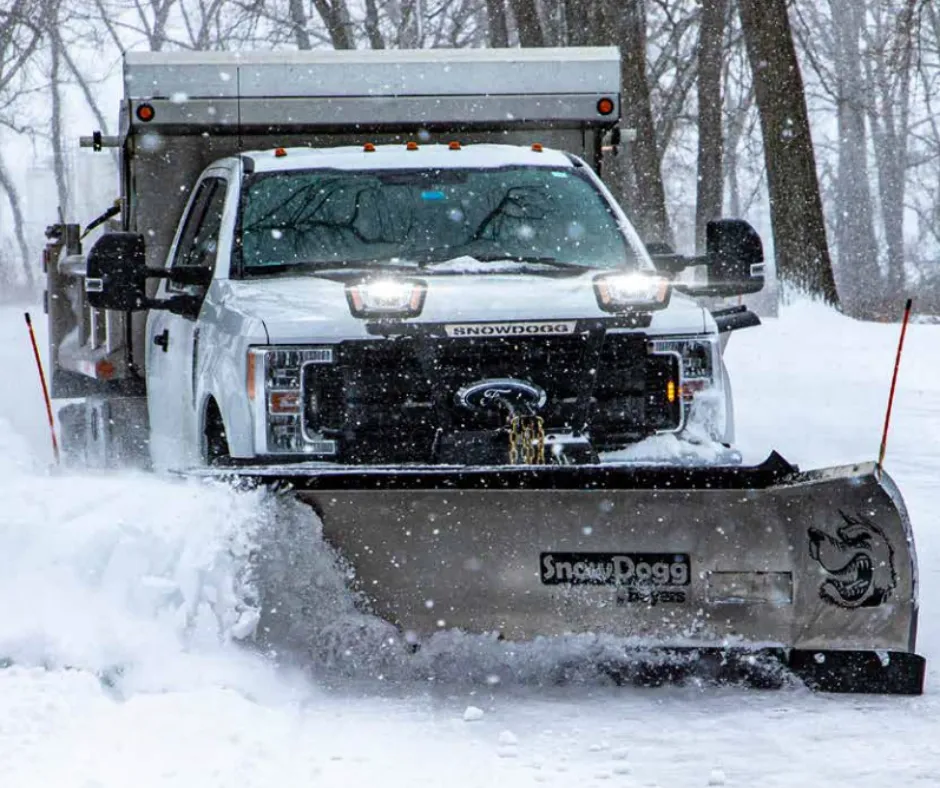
[{"x": 700, "y": 566}]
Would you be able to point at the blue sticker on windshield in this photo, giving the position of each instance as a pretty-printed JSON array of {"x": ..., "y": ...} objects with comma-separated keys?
[{"x": 433, "y": 196}]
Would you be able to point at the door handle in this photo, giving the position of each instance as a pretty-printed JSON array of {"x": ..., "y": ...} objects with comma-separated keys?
[{"x": 163, "y": 340}]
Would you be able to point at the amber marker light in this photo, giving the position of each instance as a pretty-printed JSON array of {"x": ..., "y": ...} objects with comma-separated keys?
[
  {"x": 145, "y": 113},
  {"x": 280, "y": 153},
  {"x": 284, "y": 402},
  {"x": 411, "y": 145},
  {"x": 671, "y": 391},
  {"x": 104, "y": 369},
  {"x": 605, "y": 106},
  {"x": 250, "y": 374}
]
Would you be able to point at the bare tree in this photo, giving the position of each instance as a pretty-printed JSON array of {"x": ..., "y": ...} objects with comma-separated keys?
[
  {"x": 854, "y": 215},
  {"x": 649, "y": 197},
  {"x": 372, "y": 27},
  {"x": 60, "y": 169},
  {"x": 20, "y": 35},
  {"x": 497, "y": 29},
  {"x": 891, "y": 40},
  {"x": 19, "y": 223},
  {"x": 528, "y": 23},
  {"x": 801, "y": 248},
  {"x": 709, "y": 183}
]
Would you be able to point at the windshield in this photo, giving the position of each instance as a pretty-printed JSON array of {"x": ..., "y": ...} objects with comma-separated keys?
[{"x": 339, "y": 218}]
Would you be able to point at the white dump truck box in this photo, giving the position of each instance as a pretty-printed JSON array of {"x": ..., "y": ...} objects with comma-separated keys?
[{"x": 375, "y": 89}]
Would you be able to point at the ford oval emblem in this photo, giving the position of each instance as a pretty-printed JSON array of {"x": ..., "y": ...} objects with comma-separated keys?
[{"x": 501, "y": 392}]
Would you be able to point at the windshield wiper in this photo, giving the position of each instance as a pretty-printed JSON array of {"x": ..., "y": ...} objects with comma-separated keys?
[
  {"x": 328, "y": 265},
  {"x": 507, "y": 258}
]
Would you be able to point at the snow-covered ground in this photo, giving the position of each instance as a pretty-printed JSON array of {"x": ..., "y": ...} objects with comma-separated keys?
[{"x": 121, "y": 674}]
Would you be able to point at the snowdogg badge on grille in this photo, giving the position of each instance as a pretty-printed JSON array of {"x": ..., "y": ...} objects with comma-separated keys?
[
  {"x": 644, "y": 577},
  {"x": 527, "y": 329}
]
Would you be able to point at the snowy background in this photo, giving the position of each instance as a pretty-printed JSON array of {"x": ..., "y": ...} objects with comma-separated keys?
[{"x": 117, "y": 672}]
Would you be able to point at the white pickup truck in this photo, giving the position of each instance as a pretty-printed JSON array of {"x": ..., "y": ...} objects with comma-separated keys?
[
  {"x": 405, "y": 271},
  {"x": 437, "y": 292}
]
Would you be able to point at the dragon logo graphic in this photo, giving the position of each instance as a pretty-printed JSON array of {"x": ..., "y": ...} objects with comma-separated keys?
[{"x": 859, "y": 560}]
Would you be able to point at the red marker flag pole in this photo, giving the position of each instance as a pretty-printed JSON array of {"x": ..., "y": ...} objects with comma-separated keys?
[
  {"x": 45, "y": 390},
  {"x": 894, "y": 383}
]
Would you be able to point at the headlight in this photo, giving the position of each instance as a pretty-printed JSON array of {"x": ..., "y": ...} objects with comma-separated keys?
[
  {"x": 700, "y": 360},
  {"x": 387, "y": 297},
  {"x": 275, "y": 387},
  {"x": 620, "y": 292}
]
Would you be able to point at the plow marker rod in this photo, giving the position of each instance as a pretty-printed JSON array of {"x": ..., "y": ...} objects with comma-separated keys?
[
  {"x": 45, "y": 389},
  {"x": 894, "y": 383}
]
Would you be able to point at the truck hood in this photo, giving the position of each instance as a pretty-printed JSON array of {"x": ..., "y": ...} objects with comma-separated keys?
[{"x": 307, "y": 309}]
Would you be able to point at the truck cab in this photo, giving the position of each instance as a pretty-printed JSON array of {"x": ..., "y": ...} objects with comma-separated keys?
[{"x": 461, "y": 290}]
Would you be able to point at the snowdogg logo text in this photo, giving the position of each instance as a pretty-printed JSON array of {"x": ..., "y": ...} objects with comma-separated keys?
[
  {"x": 639, "y": 577},
  {"x": 859, "y": 561},
  {"x": 509, "y": 329}
]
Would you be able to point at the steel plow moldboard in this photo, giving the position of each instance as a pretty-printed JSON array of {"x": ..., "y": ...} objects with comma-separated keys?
[{"x": 807, "y": 560}]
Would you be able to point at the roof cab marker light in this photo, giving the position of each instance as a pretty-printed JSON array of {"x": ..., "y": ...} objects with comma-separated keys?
[
  {"x": 369, "y": 147},
  {"x": 605, "y": 106},
  {"x": 454, "y": 145},
  {"x": 280, "y": 153},
  {"x": 411, "y": 145},
  {"x": 145, "y": 113},
  {"x": 537, "y": 147},
  {"x": 618, "y": 292},
  {"x": 387, "y": 298}
]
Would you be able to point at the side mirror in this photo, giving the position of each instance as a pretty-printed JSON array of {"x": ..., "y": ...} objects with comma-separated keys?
[
  {"x": 665, "y": 258},
  {"x": 734, "y": 256},
  {"x": 116, "y": 276}
]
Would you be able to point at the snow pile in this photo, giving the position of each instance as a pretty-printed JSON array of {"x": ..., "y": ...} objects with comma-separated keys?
[
  {"x": 670, "y": 449},
  {"x": 123, "y": 575}
]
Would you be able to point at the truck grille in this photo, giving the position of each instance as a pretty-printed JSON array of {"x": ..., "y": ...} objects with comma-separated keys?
[{"x": 385, "y": 400}]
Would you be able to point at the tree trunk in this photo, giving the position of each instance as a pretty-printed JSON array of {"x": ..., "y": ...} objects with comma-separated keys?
[
  {"x": 577, "y": 22},
  {"x": 373, "y": 32},
  {"x": 527, "y": 23},
  {"x": 19, "y": 225},
  {"x": 335, "y": 16},
  {"x": 496, "y": 27},
  {"x": 59, "y": 163},
  {"x": 298, "y": 22},
  {"x": 889, "y": 117},
  {"x": 410, "y": 32},
  {"x": 858, "y": 273},
  {"x": 801, "y": 249},
  {"x": 710, "y": 183},
  {"x": 161, "y": 15},
  {"x": 648, "y": 201}
]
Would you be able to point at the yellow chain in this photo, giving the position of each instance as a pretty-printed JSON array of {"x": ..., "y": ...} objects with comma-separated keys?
[
  {"x": 530, "y": 432},
  {"x": 514, "y": 440}
]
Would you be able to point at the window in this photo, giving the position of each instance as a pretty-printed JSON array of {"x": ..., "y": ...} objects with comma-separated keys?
[
  {"x": 199, "y": 241},
  {"x": 348, "y": 217}
]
